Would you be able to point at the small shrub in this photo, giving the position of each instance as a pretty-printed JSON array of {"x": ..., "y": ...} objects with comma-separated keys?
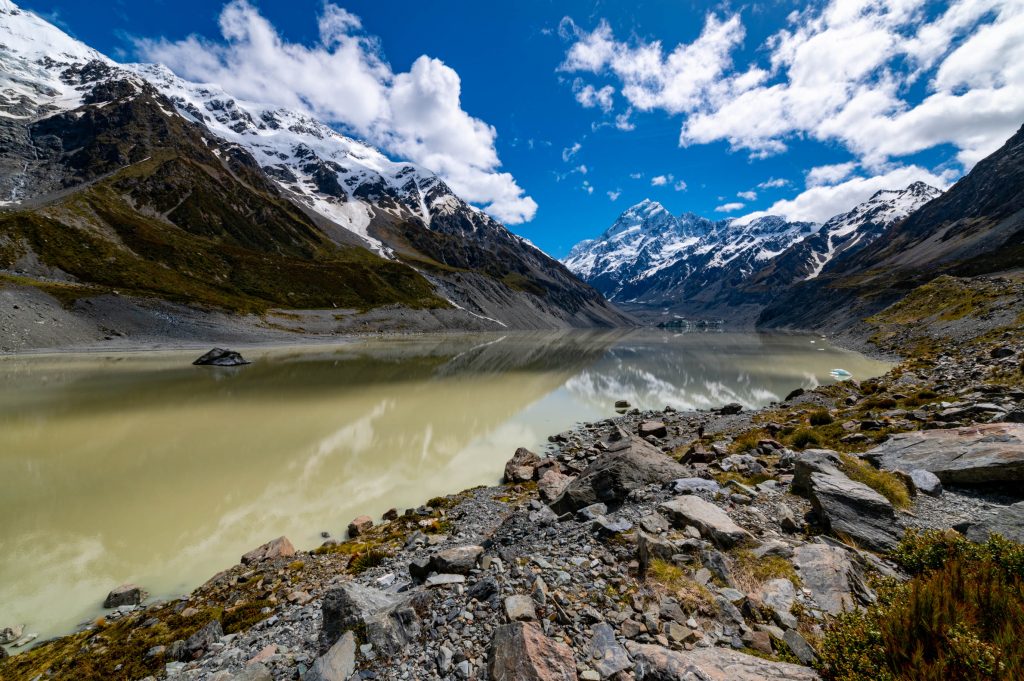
[
  {"x": 370, "y": 558},
  {"x": 674, "y": 580},
  {"x": 242, "y": 617},
  {"x": 931, "y": 549},
  {"x": 746, "y": 441},
  {"x": 878, "y": 403},
  {"x": 804, "y": 438},
  {"x": 889, "y": 485},
  {"x": 820, "y": 417}
]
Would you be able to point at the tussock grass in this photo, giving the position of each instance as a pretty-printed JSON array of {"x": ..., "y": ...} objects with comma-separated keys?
[
  {"x": 889, "y": 485},
  {"x": 750, "y": 572},
  {"x": 673, "y": 580}
]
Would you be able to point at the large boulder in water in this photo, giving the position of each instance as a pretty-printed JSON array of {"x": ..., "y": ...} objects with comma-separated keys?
[
  {"x": 991, "y": 452},
  {"x": 219, "y": 357},
  {"x": 629, "y": 463}
]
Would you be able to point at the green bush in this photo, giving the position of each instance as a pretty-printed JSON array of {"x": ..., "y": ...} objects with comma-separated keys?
[
  {"x": 821, "y": 418},
  {"x": 960, "y": 618},
  {"x": 804, "y": 438}
]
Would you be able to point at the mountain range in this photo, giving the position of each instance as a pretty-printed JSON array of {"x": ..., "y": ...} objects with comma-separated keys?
[
  {"x": 126, "y": 178},
  {"x": 652, "y": 262}
]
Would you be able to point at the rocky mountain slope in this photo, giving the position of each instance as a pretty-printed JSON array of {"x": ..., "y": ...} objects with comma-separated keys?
[
  {"x": 652, "y": 261},
  {"x": 127, "y": 178},
  {"x": 976, "y": 227}
]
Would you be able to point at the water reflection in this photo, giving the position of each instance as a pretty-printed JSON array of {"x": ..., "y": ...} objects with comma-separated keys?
[{"x": 140, "y": 467}]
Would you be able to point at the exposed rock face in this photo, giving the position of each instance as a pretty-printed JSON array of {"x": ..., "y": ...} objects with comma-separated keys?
[
  {"x": 522, "y": 466},
  {"x": 126, "y": 594},
  {"x": 926, "y": 482},
  {"x": 655, "y": 663},
  {"x": 359, "y": 525},
  {"x": 1008, "y": 522},
  {"x": 521, "y": 652},
  {"x": 710, "y": 520},
  {"x": 338, "y": 663},
  {"x": 629, "y": 463},
  {"x": 219, "y": 357},
  {"x": 974, "y": 455},
  {"x": 275, "y": 548},
  {"x": 389, "y": 622},
  {"x": 607, "y": 656},
  {"x": 198, "y": 643},
  {"x": 854, "y": 510},
  {"x": 835, "y": 581}
]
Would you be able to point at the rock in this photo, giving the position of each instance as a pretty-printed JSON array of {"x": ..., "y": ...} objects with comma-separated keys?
[
  {"x": 359, "y": 526},
  {"x": 657, "y": 663},
  {"x": 522, "y": 466},
  {"x": 11, "y": 634},
  {"x": 779, "y": 595},
  {"x": 852, "y": 509},
  {"x": 813, "y": 461},
  {"x": 483, "y": 589},
  {"x": 338, "y": 663},
  {"x": 761, "y": 641},
  {"x": 986, "y": 453},
  {"x": 836, "y": 584},
  {"x": 275, "y": 548},
  {"x": 628, "y": 464},
  {"x": 389, "y": 621},
  {"x": 519, "y": 608},
  {"x": 552, "y": 484},
  {"x": 654, "y": 523},
  {"x": 1000, "y": 353},
  {"x": 444, "y": 580},
  {"x": 220, "y": 357},
  {"x": 198, "y": 643},
  {"x": 458, "y": 560},
  {"x": 621, "y": 404},
  {"x": 731, "y": 408},
  {"x": 651, "y": 547},
  {"x": 692, "y": 485},
  {"x": 521, "y": 652},
  {"x": 592, "y": 512},
  {"x": 652, "y": 428},
  {"x": 926, "y": 482},
  {"x": 126, "y": 594},
  {"x": 794, "y": 394},
  {"x": 1008, "y": 522},
  {"x": 257, "y": 671},
  {"x": 799, "y": 646},
  {"x": 3, "y": 653},
  {"x": 606, "y": 655},
  {"x": 713, "y": 522}
]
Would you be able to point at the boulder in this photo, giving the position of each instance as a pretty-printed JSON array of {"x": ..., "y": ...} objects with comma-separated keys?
[
  {"x": 852, "y": 509},
  {"x": 275, "y": 548},
  {"x": 520, "y": 608},
  {"x": 692, "y": 485},
  {"x": 198, "y": 643},
  {"x": 338, "y": 663},
  {"x": 799, "y": 646},
  {"x": 836, "y": 583},
  {"x": 254, "y": 671},
  {"x": 220, "y": 357},
  {"x": 606, "y": 655},
  {"x": 778, "y": 595},
  {"x": 712, "y": 664},
  {"x": 1008, "y": 522},
  {"x": 522, "y": 466},
  {"x": 521, "y": 652},
  {"x": 552, "y": 484},
  {"x": 389, "y": 621},
  {"x": 629, "y": 463},
  {"x": 813, "y": 461},
  {"x": 651, "y": 547},
  {"x": 652, "y": 428},
  {"x": 731, "y": 408},
  {"x": 712, "y": 522},
  {"x": 11, "y": 634},
  {"x": 926, "y": 482},
  {"x": 974, "y": 455},
  {"x": 458, "y": 560},
  {"x": 126, "y": 594},
  {"x": 359, "y": 525}
]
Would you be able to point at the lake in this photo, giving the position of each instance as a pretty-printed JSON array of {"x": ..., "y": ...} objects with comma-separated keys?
[{"x": 139, "y": 467}]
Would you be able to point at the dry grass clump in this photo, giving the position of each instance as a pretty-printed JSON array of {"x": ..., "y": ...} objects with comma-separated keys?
[
  {"x": 673, "y": 580},
  {"x": 750, "y": 572},
  {"x": 889, "y": 485}
]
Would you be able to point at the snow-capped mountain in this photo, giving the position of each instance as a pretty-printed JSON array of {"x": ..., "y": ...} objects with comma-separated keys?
[
  {"x": 649, "y": 255},
  {"x": 56, "y": 99}
]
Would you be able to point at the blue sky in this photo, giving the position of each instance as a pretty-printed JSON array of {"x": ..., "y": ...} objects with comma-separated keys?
[{"x": 726, "y": 110}]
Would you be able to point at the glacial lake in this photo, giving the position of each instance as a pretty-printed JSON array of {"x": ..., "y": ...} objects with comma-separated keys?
[{"x": 139, "y": 467}]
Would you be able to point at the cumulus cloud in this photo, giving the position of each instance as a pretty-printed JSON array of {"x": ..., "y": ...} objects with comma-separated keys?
[
  {"x": 591, "y": 97},
  {"x": 729, "y": 207},
  {"x": 571, "y": 151},
  {"x": 661, "y": 180},
  {"x": 680, "y": 186},
  {"x": 830, "y": 174},
  {"x": 747, "y": 195},
  {"x": 343, "y": 80},
  {"x": 615, "y": 194},
  {"x": 821, "y": 202},
  {"x": 773, "y": 183},
  {"x": 886, "y": 79}
]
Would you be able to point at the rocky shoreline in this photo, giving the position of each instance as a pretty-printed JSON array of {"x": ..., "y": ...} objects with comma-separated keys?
[{"x": 655, "y": 545}]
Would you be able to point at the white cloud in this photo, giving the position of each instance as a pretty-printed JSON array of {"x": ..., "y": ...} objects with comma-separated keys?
[
  {"x": 623, "y": 122},
  {"x": 729, "y": 207},
  {"x": 581, "y": 169},
  {"x": 661, "y": 180},
  {"x": 830, "y": 174},
  {"x": 615, "y": 194},
  {"x": 636, "y": 176},
  {"x": 590, "y": 97},
  {"x": 840, "y": 71},
  {"x": 344, "y": 80},
  {"x": 747, "y": 195},
  {"x": 569, "y": 152},
  {"x": 773, "y": 183},
  {"x": 680, "y": 186},
  {"x": 819, "y": 203},
  {"x": 587, "y": 187}
]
